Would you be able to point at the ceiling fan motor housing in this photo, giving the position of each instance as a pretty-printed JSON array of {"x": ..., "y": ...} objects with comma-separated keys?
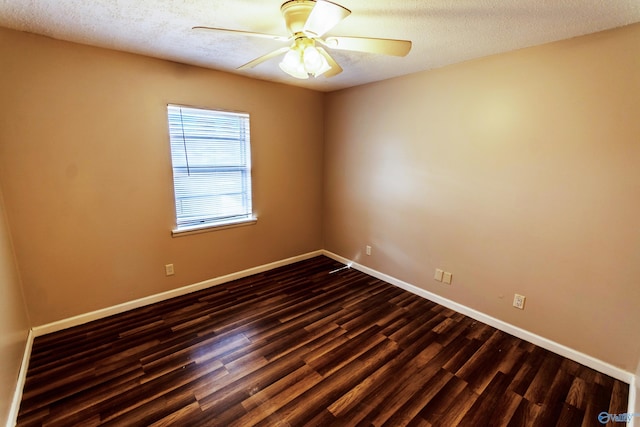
[{"x": 296, "y": 13}]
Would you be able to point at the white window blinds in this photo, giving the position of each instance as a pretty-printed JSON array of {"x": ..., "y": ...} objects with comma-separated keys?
[{"x": 211, "y": 158}]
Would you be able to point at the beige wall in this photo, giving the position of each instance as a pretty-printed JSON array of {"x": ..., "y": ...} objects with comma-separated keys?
[
  {"x": 86, "y": 172},
  {"x": 14, "y": 323},
  {"x": 517, "y": 173}
]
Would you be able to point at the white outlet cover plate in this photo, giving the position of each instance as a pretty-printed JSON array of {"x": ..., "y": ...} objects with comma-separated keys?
[
  {"x": 168, "y": 269},
  {"x": 518, "y": 301}
]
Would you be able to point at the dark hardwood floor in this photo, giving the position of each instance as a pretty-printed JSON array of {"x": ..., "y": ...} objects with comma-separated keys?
[{"x": 299, "y": 346}]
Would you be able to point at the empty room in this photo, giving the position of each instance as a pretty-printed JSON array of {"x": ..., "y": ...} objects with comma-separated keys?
[{"x": 305, "y": 212}]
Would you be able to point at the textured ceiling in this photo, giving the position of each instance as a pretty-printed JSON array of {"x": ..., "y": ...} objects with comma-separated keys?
[{"x": 442, "y": 31}]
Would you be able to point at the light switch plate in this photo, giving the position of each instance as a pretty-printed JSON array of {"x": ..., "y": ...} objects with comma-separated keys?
[{"x": 446, "y": 277}]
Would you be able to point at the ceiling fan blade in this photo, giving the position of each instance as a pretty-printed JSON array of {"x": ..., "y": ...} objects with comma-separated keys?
[
  {"x": 324, "y": 16},
  {"x": 335, "y": 68},
  {"x": 365, "y": 44},
  {"x": 245, "y": 33},
  {"x": 263, "y": 58}
]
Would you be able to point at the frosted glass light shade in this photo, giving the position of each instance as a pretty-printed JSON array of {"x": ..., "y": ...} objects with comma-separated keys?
[
  {"x": 293, "y": 64},
  {"x": 303, "y": 59},
  {"x": 314, "y": 62}
]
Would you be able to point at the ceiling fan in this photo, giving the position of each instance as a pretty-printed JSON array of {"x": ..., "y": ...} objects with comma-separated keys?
[{"x": 307, "y": 22}]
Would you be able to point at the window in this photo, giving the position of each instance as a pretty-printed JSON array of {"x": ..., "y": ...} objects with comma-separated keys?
[{"x": 211, "y": 159}]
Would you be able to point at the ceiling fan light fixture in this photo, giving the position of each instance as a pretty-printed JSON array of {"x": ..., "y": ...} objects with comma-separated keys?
[
  {"x": 314, "y": 63},
  {"x": 293, "y": 64},
  {"x": 303, "y": 60}
]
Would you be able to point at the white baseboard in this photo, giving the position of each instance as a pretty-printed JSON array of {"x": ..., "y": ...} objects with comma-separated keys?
[
  {"x": 633, "y": 395},
  {"x": 22, "y": 376},
  {"x": 538, "y": 340},
  {"x": 130, "y": 305}
]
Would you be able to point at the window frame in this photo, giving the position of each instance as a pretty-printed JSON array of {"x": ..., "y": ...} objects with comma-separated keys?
[{"x": 243, "y": 219}]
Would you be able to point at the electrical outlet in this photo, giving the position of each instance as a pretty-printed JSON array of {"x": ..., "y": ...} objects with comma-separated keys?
[
  {"x": 518, "y": 301},
  {"x": 438, "y": 275},
  {"x": 168, "y": 270},
  {"x": 367, "y": 250}
]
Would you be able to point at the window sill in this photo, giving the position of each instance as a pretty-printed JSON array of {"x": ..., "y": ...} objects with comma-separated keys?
[{"x": 205, "y": 228}]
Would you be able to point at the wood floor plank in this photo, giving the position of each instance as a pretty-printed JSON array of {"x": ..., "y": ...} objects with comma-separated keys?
[
  {"x": 411, "y": 390},
  {"x": 392, "y": 377},
  {"x": 85, "y": 404},
  {"x": 416, "y": 401},
  {"x": 539, "y": 387},
  {"x": 437, "y": 406},
  {"x": 569, "y": 416},
  {"x": 457, "y": 409},
  {"x": 382, "y": 355},
  {"x": 261, "y": 404},
  {"x": 528, "y": 371},
  {"x": 309, "y": 343},
  {"x": 619, "y": 398},
  {"x": 526, "y": 415},
  {"x": 315, "y": 400},
  {"x": 253, "y": 379}
]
